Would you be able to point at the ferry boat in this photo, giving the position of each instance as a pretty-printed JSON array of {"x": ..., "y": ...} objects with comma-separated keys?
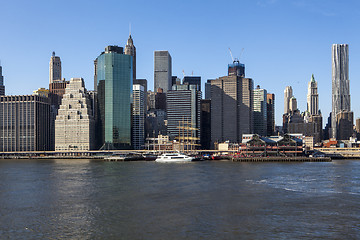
[{"x": 173, "y": 157}]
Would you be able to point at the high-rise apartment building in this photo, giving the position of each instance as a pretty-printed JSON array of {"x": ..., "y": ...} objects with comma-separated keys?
[
  {"x": 260, "y": 111},
  {"x": 288, "y": 94},
  {"x": 114, "y": 93},
  {"x": 55, "y": 68},
  {"x": 183, "y": 106},
  {"x": 162, "y": 71},
  {"x": 231, "y": 108},
  {"x": 270, "y": 100},
  {"x": 138, "y": 117},
  {"x": 340, "y": 83},
  {"x": 313, "y": 97},
  {"x": 24, "y": 123},
  {"x": 130, "y": 49},
  {"x": 74, "y": 124},
  {"x": 2, "y": 86}
]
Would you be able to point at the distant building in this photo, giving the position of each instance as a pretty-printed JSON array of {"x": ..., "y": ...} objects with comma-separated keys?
[
  {"x": 205, "y": 124},
  {"x": 162, "y": 70},
  {"x": 74, "y": 124},
  {"x": 231, "y": 108},
  {"x": 208, "y": 89},
  {"x": 192, "y": 80},
  {"x": 160, "y": 99},
  {"x": 340, "y": 85},
  {"x": 183, "y": 105},
  {"x": 2, "y": 86},
  {"x": 288, "y": 94},
  {"x": 313, "y": 97},
  {"x": 270, "y": 99},
  {"x": 143, "y": 82},
  {"x": 175, "y": 80},
  {"x": 150, "y": 103},
  {"x": 130, "y": 49},
  {"x": 260, "y": 111},
  {"x": 344, "y": 125},
  {"x": 138, "y": 117},
  {"x": 236, "y": 69},
  {"x": 55, "y": 69},
  {"x": 114, "y": 77},
  {"x": 24, "y": 123},
  {"x": 155, "y": 123}
]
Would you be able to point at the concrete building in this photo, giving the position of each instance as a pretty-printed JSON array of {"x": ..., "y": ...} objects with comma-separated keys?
[
  {"x": 2, "y": 86},
  {"x": 270, "y": 100},
  {"x": 313, "y": 97},
  {"x": 160, "y": 99},
  {"x": 292, "y": 104},
  {"x": 340, "y": 84},
  {"x": 24, "y": 123},
  {"x": 231, "y": 108},
  {"x": 288, "y": 94},
  {"x": 138, "y": 117},
  {"x": 344, "y": 125},
  {"x": 150, "y": 100},
  {"x": 208, "y": 89},
  {"x": 74, "y": 124},
  {"x": 183, "y": 105},
  {"x": 162, "y": 71},
  {"x": 114, "y": 94},
  {"x": 205, "y": 124},
  {"x": 55, "y": 69},
  {"x": 130, "y": 49},
  {"x": 155, "y": 123},
  {"x": 260, "y": 111}
]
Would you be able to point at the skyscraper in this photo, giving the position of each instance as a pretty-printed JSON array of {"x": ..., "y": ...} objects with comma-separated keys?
[
  {"x": 231, "y": 108},
  {"x": 130, "y": 49},
  {"x": 138, "y": 117},
  {"x": 162, "y": 71},
  {"x": 2, "y": 86},
  {"x": 288, "y": 94},
  {"x": 74, "y": 124},
  {"x": 114, "y": 94},
  {"x": 55, "y": 68},
  {"x": 340, "y": 83},
  {"x": 313, "y": 97},
  {"x": 193, "y": 80},
  {"x": 270, "y": 99},
  {"x": 260, "y": 111},
  {"x": 24, "y": 123}
]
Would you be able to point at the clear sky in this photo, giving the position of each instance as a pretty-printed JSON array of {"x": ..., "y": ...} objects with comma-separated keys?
[{"x": 284, "y": 41}]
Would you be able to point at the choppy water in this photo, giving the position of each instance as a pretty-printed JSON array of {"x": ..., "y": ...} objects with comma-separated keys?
[{"x": 202, "y": 200}]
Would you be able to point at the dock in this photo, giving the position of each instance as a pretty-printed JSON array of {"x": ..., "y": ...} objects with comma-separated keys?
[{"x": 281, "y": 159}]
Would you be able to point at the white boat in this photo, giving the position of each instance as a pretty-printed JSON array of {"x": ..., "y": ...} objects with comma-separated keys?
[{"x": 173, "y": 157}]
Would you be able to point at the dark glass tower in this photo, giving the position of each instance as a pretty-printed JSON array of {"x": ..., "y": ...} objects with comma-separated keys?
[
  {"x": 114, "y": 77},
  {"x": 2, "y": 87}
]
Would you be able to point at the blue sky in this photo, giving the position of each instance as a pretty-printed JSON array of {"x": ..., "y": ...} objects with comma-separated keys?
[{"x": 284, "y": 41}]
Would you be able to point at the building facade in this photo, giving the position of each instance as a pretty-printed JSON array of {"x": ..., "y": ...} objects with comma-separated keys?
[
  {"x": 2, "y": 86},
  {"x": 260, "y": 111},
  {"x": 114, "y": 94},
  {"x": 344, "y": 125},
  {"x": 24, "y": 123},
  {"x": 55, "y": 68},
  {"x": 193, "y": 80},
  {"x": 288, "y": 94},
  {"x": 162, "y": 70},
  {"x": 205, "y": 124},
  {"x": 231, "y": 108},
  {"x": 183, "y": 107},
  {"x": 138, "y": 117},
  {"x": 74, "y": 124},
  {"x": 270, "y": 100},
  {"x": 313, "y": 97},
  {"x": 340, "y": 84}
]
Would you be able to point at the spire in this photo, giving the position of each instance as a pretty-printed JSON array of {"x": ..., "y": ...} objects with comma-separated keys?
[{"x": 312, "y": 78}]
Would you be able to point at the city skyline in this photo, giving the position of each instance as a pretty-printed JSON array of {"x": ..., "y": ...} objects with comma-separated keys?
[{"x": 280, "y": 50}]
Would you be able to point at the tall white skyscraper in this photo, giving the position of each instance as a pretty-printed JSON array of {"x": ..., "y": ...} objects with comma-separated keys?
[
  {"x": 162, "y": 71},
  {"x": 288, "y": 94},
  {"x": 312, "y": 97},
  {"x": 340, "y": 83},
  {"x": 55, "y": 68},
  {"x": 138, "y": 117},
  {"x": 260, "y": 111}
]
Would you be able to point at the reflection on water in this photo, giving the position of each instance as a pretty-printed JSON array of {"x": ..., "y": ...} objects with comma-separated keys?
[{"x": 147, "y": 200}]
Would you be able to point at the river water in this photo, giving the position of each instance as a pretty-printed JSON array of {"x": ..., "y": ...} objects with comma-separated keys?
[{"x": 83, "y": 199}]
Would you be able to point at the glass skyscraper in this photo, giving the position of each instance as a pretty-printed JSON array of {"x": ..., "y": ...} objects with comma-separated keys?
[{"x": 114, "y": 77}]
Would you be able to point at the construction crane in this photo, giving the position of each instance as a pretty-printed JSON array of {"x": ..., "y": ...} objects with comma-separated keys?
[
  {"x": 236, "y": 59},
  {"x": 231, "y": 55}
]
